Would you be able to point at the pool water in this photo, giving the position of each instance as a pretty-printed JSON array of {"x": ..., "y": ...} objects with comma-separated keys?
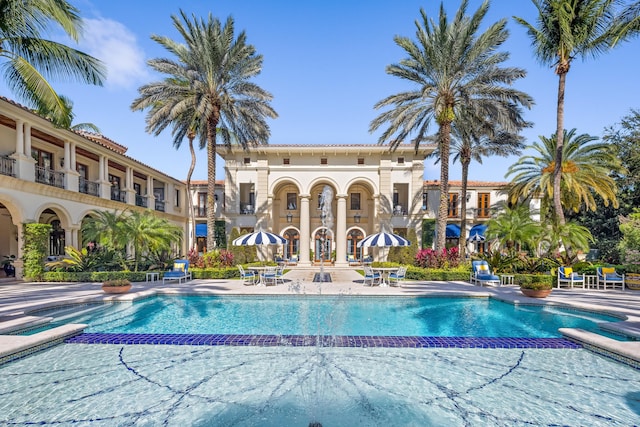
[
  {"x": 324, "y": 315},
  {"x": 147, "y": 385}
]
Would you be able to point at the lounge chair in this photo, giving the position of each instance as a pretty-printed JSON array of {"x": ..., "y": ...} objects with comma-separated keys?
[
  {"x": 179, "y": 272},
  {"x": 569, "y": 278},
  {"x": 370, "y": 277},
  {"x": 481, "y": 274},
  {"x": 608, "y": 275},
  {"x": 293, "y": 260},
  {"x": 397, "y": 276},
  {"x": 352, "y": 260},
  {"x": 249, "y": 277}
]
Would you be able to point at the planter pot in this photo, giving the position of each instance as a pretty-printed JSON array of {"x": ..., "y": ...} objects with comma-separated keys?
[
  {"x": 536, "y": 293},
  {"x": 632, "y": 281},
  {"x": 116, "y": 289}
]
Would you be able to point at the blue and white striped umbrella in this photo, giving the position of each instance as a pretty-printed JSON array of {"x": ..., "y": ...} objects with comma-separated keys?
[
  {"x": 476, "y": 237},
  {"x": 259, "y": 238},
  {"x": 382, "y": 240}
]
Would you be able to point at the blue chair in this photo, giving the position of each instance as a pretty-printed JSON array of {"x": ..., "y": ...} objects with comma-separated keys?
[
  {"x": 608, "y": 275},
  {"x": 481, "y": 274},
  {"x": 370, "y": 277},
  {"x": 566, "y": 276},
  {"x": 179, "y": 272},
  {"x": 293, "y": 260},
  {"x": 249, "y": 277},
  {"x": 398, "y": 276},
  {"x": 351, "y": 259}
]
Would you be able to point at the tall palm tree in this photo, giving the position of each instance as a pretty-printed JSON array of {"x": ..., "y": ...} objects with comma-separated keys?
[
  {"x": 454, "y": 68},
  {"x": 32, "y": 60},
  {"x": 567, "y": 29},
  {"x": 66, "y": 122},
  {"x": 586, "y": 169},
  {"x": 209, "y": 82},
  {"x": 514, "y": 228}
]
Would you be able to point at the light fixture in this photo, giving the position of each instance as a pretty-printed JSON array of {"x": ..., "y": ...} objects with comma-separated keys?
[
  {"x": 356, "y": 218},
  {"x": 468, "y": 197},
  {"x": 61, "y": 162},
  {"x": 289, "y": 217}
]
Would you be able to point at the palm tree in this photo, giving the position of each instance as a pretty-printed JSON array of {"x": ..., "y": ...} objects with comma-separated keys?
[
  {"x": 31, "y": 60},
  {"x": 454, "y": 68},
  {"x": 209, "y": 82},
  {"x": 568, "y": 29},
  {"x": 514, "y": 228},
  {"x": 66, "y": 122},
  {"x": 586, "y": 170}
]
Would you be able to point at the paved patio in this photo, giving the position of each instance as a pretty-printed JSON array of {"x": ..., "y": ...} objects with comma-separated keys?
[{"x": 17, "y": 299}]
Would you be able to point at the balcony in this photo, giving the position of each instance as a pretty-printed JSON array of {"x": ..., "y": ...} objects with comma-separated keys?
[
  {"x": 118, "y": 195},
  {"x": 246, "y": 209},
  {"x": 89, "y": 187},
  {"x": 7, "y": 166},
  {"x": 160, "y": 205},
  {"x": 400, "y": 210},
  {"x": 483, "y": 213},
  {"x": 49, "y": 177},
  {"x": 141, "y": 201}
]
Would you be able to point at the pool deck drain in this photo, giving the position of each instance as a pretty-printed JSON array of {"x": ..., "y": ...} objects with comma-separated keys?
[{"x": 322, "y": 341}]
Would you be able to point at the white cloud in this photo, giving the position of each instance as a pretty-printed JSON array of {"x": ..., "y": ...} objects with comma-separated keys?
[{"x": 116, "y": 46}]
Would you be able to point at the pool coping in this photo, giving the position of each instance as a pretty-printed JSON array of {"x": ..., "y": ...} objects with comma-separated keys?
[{"x": 625, "y": 352}]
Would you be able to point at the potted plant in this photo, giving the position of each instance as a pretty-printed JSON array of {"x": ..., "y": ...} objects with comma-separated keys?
[
  {"x": 535, "y": 287},
  {"x": 116, "y": 286},
  {"x": 7, "y": 265}
]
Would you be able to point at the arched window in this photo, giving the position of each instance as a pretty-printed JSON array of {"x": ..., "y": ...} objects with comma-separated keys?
[
  {"x": 293, "y": 241},
  {"x": 353, "y": 237}
]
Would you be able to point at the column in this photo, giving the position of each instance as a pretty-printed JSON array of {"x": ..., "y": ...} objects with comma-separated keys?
[
  {"x": 19, "y": 137},
  {"x": 27, "y": 139},
  {"x": 304, "y": 230},
  {"x": 341, "y": 231},
  {"x": 105, "y": 185},
  {"x": 151, "y": 198}
]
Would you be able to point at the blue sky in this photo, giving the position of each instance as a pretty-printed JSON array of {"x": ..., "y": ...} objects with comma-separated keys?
[{"x": 324, "y": 63}]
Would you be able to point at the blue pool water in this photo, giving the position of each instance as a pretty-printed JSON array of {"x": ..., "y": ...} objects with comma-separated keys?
[{"x": 320, "y": 315}]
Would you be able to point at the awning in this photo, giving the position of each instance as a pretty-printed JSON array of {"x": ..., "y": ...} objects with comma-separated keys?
[
  {"x": 478, "y": 229},
  {"x": 201, "y": 230},
  {"x": 453, "y": 231}
]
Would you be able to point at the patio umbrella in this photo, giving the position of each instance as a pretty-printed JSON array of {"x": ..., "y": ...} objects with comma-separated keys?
[
  {"x": 476, "y": 237},
  {"x": 259, "y": 238},
  {"x": 382, "y": 240}
]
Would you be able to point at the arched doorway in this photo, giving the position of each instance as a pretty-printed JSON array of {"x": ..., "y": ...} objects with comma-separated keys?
[
  {"x": 56, "y": 239},
  {"x": 353, "y": 237},
  {"x": 322, "y": 245},
  {"x": 293, "y": 243}
]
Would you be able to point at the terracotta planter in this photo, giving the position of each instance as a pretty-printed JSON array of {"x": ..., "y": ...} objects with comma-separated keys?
[
  {"x": 116, "y": 289},
  {"x": 536, "y": 293}
]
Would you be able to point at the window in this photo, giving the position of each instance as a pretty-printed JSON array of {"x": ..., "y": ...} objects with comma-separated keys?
[
  {"x": 292, "y": 201},
  {"x": 83, "y": 170},
  {"x": 286, "y": 161},
  {"x": 43, "y": 159},
  {"x": 453, "y": 205},
  {"x": 323, "y": 161},
  {"x": 425, "y": 200},
  {"x": 115, "y": 181},
  {"x": 483, "y": 205},
  {"x": 361, "y": 160},
  {"x": 247, "y": 160},
  {"x": 137, "y": 188},
  {"x": 401, "y": 160},
  {"x": 158, "y": 193},
  {"x": 355, "y": 201},
  {"x": 177, "y": 198},
  {"x": 201, "y": 209}
]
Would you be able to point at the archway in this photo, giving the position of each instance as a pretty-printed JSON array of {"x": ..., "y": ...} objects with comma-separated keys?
[
  {"x": 293, "y": 242},
  {"x": 322, "y": 245}
]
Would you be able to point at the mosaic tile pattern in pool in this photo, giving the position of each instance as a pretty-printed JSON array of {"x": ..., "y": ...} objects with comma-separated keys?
[{"x": 325, "y": 341}]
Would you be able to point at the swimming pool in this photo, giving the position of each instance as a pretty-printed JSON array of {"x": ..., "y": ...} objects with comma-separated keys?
[
  {"x": 287, "y": 385},
  {"x": 329, "y": 315}
]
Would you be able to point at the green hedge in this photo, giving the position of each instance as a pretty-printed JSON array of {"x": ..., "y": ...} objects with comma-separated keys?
[{"x": 93, "y": 276}]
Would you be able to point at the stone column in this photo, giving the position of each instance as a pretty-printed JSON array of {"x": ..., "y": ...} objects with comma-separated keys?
[
  {"x": 341, "y": 231},
  {"x": 19, "y": 137},
  {"x": 304, "y": 230}
]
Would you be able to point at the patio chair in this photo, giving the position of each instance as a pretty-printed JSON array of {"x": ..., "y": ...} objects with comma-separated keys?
[
  {"x": 370, "y": 277},
  {"x": 481, "y": 274},
  {"x": 351, "y": 259},
  {"x": 608, "y": 275},
  {"x": 179, "y": 272},
  {"x": 269, "y": 276},
  {"x": 397, "y": 277},
  {"x": 279, "y": 274},
  {"x": 569, "y": 278},
  {"x": 249, "y": 277}
]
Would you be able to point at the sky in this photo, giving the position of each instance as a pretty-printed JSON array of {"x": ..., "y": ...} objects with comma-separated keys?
[{"x": 324, "y": 64}]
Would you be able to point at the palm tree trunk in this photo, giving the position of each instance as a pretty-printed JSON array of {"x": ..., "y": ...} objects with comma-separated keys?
[
  {"x": 211, "y": 183},
  {"x": 557, "y": 171},
  {"x": 441, "y": 225},
  {"x": 192, "y": 215},
  {"x": 464, "y": 160}
]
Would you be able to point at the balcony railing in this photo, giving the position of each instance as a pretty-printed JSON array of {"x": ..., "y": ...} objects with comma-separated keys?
[
  {"x": 7, "y": 166},
  {"x": 246, "y": 209},
  {"x": 89, "y": 187},
  {"x": 400, "y": 210},
  {"x": 49, "y": 177},
  {"x": 201, "y": 211},
  {"x": 141, "y": 201},
  {"x": 483, "y": 212},
  {"x": 160, "y": 205},
  {"x": 118, "y": 195}
]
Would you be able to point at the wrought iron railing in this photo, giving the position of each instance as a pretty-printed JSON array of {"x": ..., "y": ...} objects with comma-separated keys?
[
  {"x": 89, "y": 187},
  {"x": 49, "y": 177},
  {"x": 160, "y": 204},
  {"x": 141, "y": 201},
  {"x": 7, "y": 166},
  {"x": 118, "y": 195}
]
